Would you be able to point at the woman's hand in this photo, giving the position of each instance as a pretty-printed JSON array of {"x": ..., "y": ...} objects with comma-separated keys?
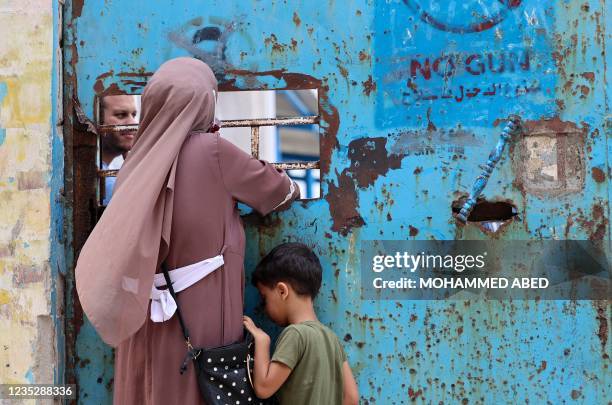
[{"x": 258, "y": 334}]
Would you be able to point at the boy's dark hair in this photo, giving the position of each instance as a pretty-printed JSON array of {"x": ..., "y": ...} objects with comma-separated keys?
[{"x": 292, "y": 263}]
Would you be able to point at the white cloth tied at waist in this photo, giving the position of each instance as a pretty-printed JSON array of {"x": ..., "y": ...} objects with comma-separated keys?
[{"x": 163, "y": 305}]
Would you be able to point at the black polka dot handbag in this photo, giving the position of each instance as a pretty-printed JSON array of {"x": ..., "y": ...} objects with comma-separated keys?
[{"x": 224, "y": 373}]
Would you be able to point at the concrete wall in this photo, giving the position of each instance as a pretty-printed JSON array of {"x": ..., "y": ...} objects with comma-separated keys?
[{"x": 29, "y": 188}]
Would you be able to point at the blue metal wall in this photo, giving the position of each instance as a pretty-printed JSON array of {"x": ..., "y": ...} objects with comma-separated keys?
[{"x": 411, "y": 97}]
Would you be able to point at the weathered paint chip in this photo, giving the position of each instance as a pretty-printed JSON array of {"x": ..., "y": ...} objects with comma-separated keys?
[
  {"x": 24, "y": 274},
  {"x": 31, "y": 180},
  {"x": 550, "y": 158}
]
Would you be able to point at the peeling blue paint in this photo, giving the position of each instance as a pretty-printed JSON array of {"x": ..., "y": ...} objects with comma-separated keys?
[
  {"x": 60, "y": 248},
  {"x": 3, "y": 93}
]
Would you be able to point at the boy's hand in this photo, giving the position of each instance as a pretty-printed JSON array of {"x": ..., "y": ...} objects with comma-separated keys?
[
  {"x": 267, "y": 376},
  {"x": 257, "y": 333}
]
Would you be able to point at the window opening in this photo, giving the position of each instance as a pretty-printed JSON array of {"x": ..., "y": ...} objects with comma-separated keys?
[{"x": 280, "y": 126}]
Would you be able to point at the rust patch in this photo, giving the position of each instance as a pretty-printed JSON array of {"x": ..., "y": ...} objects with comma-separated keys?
[
  {"x": 568, "y": 226},
  {"x": 343, "y": 71},
  {"x": 595, "y": 226},
  {"x": 560, "y": 104},
  {"x": 82, "y": 120},
  {"x": 598, "y": 175},
  {"x": 369, "y": 160},
  {"x": 363, "y": 56},
  {"x": 77, "y": 8},
  {"x": 102, "y": 91},
  {"x": 343, "y": 205},
  {"x": 266, "y": 226},
  {"x": 590, "y": 76},
  {"x": 413, "y": 231},
  {"x": 602, "y": 331},
  {"x": 414, "y": 394},
  {"x": 99, "y": 84},
  {"x": 140, "y": 73},
  {"x": 585, "y": 90},
  {"x": 111, "y": 84},
  {"x": 553, "y": 124},
  {"x": 430, "y": 125},
  {"x": 369, "y": 86},
  {"x": 230, "y": 84},
  {"x": 296, "y": 19},
  {"x": 548, "y": 159},
  {"x": 273, "y": 42}
]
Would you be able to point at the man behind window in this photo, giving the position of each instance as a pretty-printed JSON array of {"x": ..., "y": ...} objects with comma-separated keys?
[{"x": 116, "y": 110}]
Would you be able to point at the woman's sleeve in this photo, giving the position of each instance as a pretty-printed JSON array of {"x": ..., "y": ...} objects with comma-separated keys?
[{"x": 254, "y": 182}]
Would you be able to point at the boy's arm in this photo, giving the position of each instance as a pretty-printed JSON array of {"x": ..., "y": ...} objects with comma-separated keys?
[
  {"x": 350, "y": 392},
  {"x": 268, "y": 376}
]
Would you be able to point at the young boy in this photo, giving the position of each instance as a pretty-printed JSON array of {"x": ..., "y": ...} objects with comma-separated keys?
[{"x": 309, "y": 365}]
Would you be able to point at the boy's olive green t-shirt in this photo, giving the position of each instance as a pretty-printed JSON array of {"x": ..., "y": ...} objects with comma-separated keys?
[{"x": 315, "y": 357}]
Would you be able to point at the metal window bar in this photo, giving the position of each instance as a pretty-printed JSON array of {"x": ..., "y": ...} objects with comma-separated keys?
[{"x": 254, "y": 124}]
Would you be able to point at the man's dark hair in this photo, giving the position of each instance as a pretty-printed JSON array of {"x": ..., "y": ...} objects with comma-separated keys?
[{"x": 292, "y": 263}]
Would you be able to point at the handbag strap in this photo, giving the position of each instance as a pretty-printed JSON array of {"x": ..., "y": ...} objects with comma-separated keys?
[
  {"x": 192, "y": 353},
  {"x": 178, "y": 308}
]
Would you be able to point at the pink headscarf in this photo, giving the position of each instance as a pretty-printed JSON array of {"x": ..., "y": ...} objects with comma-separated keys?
[{"x": 114, "y": 272}]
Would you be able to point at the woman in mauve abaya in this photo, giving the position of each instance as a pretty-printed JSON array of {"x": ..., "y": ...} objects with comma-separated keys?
[{"x": 174, "y": 201}]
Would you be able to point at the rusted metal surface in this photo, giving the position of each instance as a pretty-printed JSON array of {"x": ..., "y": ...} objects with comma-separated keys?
[
  {"x": 297, "y": 165},
  {"x": 284, "y": 166},
  {"x": 550, "y": 159},
  {"x": 227, "y": 124},
  {"x": 255, "y": 141},
  {"x": 105, "y": 129},
  {"x": 409, "y": 93},
  {"x": 270, "y": 122}
]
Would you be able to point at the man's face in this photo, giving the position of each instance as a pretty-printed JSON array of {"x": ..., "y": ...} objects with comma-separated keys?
[{"x": 119, "y": 110}]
